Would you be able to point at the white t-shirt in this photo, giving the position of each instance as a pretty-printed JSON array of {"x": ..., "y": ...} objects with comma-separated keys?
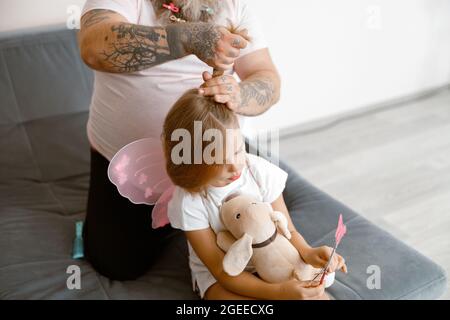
[
  {"x": 129, "y": 107},
  {"x": 188, "y": 212}
]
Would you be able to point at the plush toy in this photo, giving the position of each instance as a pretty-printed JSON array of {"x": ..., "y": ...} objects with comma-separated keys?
[{"x": 263, "y": 240}]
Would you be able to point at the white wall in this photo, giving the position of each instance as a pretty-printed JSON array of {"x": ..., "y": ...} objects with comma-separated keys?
[
  {"x": 20, "y": 14},
  {"x": 333, "y": 55}
]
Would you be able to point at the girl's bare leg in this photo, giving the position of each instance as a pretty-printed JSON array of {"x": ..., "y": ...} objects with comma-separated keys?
[
  {"x": 325, "y": 296},
  {"x": 217, "y": 292}
]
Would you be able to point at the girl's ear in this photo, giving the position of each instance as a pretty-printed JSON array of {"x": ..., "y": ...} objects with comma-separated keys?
[{"x": 238, "y": 256}]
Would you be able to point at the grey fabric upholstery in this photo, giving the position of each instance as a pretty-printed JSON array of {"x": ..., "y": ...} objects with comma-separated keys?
[{"x": 45, "y": 91}]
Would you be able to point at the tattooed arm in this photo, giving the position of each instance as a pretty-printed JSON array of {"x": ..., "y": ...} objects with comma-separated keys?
[
  {"x": 258, "y": 93},
  {"x": 260, "y": 85},
  {"x": 259, "y": 90},
  {"x": 109, "y": 43}
]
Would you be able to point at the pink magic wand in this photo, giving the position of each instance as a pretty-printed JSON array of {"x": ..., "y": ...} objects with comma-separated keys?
[{"x": 340, "y": 232}]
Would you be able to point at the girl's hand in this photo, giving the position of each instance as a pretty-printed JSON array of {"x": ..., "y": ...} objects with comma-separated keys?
[
  {"x": 301, "y": 290},
  {"x": 225, "y": 89},
  {"x": 318, "y": 258}
]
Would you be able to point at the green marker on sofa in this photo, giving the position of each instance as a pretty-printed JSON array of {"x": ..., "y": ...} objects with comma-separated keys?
[{"x": 78, "y": 251}]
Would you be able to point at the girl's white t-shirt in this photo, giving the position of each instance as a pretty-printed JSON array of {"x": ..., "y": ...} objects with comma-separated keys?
[
  {"x": 129, "y": 107},
  {"x": 190, "y": 212}
]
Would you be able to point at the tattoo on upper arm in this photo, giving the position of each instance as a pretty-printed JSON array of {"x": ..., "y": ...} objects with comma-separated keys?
[
  {"x": 261, "y": 90},
  {"x": 136, "y": 47},
  {"x": 95, "y": 16}
]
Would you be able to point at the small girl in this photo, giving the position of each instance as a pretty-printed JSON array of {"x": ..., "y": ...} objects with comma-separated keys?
[{"x": 202, "y": 187}]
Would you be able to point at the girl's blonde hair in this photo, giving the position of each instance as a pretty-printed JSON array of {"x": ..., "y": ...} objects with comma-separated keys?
[{"x": 190, "y": 108}]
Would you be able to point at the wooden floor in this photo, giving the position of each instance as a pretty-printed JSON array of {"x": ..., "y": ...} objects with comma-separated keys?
[{"x": 392, "y": 165}]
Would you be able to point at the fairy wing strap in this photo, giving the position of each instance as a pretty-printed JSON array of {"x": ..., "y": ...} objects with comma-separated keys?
[{"x": 138, "y": 171}]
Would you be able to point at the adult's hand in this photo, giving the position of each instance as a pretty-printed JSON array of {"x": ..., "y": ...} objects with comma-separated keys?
[
  {"x": 214, "y": 45},
  {"x": 301, "y": 290},
  {"x": 225, "y": 89}
]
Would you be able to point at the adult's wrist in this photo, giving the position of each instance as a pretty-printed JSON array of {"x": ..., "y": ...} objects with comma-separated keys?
[{"x": 176, "y": 40}]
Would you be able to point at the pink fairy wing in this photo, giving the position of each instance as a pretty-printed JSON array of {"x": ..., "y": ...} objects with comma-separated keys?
[
  {"x": 138, "y": 171},
  {"x": 340, "y": 231},
  {"x": 159, "y": 213}
]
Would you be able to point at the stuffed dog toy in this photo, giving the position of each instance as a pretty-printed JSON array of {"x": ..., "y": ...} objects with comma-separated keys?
[{"x": 263, "y": 240}]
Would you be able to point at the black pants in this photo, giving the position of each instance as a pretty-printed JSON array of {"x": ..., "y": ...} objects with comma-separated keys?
[{"x": 119, "y": 240}]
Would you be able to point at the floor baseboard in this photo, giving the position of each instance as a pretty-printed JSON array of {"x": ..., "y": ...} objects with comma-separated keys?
[{"x": 331, "y": 121}]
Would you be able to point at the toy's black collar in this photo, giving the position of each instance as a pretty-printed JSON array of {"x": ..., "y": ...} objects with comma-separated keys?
[{"x": 267, "y": 242}]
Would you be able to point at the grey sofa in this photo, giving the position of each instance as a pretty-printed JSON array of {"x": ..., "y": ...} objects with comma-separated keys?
[{"x": 45, "y": 91}]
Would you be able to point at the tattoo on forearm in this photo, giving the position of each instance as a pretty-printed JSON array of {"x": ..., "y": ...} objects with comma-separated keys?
[
  {"x": 95, "y": 16},
  {"x": 137, "y": 47},
  {"x": 134, "y": 47},
  {"x": 200, "y": 39},
  {"x": 260, "y": 90}
]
